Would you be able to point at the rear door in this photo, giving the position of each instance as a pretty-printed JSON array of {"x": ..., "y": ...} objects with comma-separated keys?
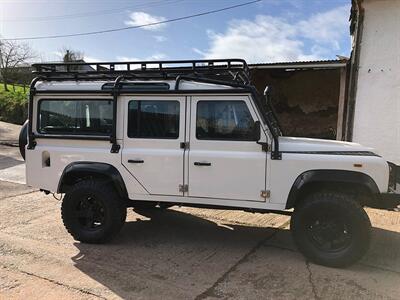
[
  {"x": 224, "y": 160},
  {"x": 154, "y": 130}
]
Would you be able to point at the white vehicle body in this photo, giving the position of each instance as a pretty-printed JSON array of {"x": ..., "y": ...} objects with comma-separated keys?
[{"x": 241, "y": 173}]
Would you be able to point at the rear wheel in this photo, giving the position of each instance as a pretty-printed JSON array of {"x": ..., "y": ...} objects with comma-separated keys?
[
  {"x": 93, "y": 212},
  {"x": 331, "y": 229}
]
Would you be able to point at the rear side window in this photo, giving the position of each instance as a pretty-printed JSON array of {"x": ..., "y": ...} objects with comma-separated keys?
[
  {"x": 224, "y": 120},
  {"x": 77, "y": 117},
  {"x": 153, "y": 119}
]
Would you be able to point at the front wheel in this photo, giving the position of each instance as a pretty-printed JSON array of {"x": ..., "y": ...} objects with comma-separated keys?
[
  {"x": 331, "y": 229},
  {"x": 93, "y": 212}
]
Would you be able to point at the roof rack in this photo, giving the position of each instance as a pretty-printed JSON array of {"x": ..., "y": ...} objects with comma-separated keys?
[{"x": 232, "y": 70}]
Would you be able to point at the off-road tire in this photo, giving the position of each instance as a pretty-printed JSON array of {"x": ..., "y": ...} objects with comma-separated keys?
[
  {"x": 327, "y": 204},
  {"x": 113, "y": 208}
]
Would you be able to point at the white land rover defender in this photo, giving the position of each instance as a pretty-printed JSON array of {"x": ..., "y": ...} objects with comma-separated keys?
[{"x": 193, "y": 133}]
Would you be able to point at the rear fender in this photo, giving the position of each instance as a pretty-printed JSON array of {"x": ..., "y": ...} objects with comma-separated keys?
[{"x": 78, "y": 171}]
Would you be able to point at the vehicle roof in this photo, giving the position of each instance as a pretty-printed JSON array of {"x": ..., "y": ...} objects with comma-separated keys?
[{"x": 97, "y": 85}]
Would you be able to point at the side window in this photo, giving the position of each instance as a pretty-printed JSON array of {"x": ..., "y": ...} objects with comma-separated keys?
[
  {"x": 224, "y": 120},
  {"x": 79, "y": 117},
  {"x": 153, "y": 119}
]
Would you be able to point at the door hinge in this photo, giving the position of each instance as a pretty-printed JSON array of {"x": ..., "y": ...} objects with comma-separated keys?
[
  {"x": 115, "y": 148},
  {"x": 184, "y": 145},
  {"x": 183, "y": 188},
  {"x": 264, "y": 146},
  {"x": 265, "y": 194}
]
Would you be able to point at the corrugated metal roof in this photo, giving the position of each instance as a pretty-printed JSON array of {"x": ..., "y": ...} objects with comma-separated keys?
[{"x": 332, "y": 63}]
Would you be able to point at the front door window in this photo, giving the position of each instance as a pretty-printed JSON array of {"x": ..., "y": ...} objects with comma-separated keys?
[{"x": 223, "y": 120}]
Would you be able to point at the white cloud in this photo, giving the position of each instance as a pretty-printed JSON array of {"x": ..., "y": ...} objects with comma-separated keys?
[
  {"x": 138, "y": 18},
  {"x": 91, "y": 59},
  {"x": 198, "y": 51},
  {"x": 155, "y": 56},
  {"x": 326, "y": 27},
  {"x": 273, "y": 39},
  {"x": 160, "y": 38}
]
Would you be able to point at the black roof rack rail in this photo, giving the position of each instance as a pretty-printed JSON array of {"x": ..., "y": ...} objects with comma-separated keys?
[{"x": 233, "y": 70}]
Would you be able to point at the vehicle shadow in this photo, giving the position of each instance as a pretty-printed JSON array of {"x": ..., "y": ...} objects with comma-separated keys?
[
  {"x": 173, "y": 255},
  {"x": 8, "y": 162}
]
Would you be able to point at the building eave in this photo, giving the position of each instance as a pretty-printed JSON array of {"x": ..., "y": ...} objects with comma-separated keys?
[{"x": 301, "y": 65}]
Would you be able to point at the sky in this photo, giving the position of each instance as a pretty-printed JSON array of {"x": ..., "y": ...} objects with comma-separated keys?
[{"x": 263, "y": 32}]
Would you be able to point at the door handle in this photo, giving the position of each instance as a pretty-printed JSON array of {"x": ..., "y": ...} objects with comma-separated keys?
[
  {"x": 135, "y": 161},
  {"x": 198, "y": 163}
]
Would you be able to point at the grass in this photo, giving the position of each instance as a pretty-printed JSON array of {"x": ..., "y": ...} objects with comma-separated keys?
[
  {"x": 13, "y": 104},
  {"x": 18, "y": 88}
]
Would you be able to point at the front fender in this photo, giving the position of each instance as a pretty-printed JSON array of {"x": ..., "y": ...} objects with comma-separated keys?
[{"x": 331, "y": 177}]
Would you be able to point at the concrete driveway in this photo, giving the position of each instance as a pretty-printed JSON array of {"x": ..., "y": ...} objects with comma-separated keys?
[{"x": 179, "y": 253}]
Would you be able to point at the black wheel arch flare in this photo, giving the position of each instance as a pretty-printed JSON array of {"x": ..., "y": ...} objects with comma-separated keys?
[
  {"x": 331, "y": 177},
  {"x": 83, "y": 169}
]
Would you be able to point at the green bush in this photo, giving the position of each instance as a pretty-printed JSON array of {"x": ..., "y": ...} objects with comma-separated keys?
[{"x": 13, "y": 106}]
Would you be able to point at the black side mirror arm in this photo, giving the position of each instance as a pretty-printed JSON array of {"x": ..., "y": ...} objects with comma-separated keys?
[
  {"x": 257, "y": 136},
  {"x": 264, "y": 146}
]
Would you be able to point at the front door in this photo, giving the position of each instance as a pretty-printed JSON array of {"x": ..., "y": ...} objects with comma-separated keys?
[
  {"x": 154, "y": 128},
  {"x": 225, "y": 161}
]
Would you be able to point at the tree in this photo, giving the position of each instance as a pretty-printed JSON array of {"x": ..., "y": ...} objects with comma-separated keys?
[
  {"x": 12, "y": 55},
  {"x": 70, "y": 55}
]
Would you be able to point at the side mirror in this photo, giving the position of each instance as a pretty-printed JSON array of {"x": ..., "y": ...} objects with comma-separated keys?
[{"x": 257, "y": 131}]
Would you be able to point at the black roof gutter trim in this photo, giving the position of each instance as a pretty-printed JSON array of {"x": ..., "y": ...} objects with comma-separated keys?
[
  {"x": 160, "y": 92},
  {"x": 350, "y": 153},
  {"x": 72, "y": 137}
]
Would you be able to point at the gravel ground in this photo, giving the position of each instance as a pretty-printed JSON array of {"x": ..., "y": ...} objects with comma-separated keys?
[
  {"x": 180, "y": 253},
  {"x": 9, "y": 134}
]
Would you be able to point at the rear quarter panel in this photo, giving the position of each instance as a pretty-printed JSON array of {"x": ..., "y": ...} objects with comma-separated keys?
[{"x": 65, "y": 151}]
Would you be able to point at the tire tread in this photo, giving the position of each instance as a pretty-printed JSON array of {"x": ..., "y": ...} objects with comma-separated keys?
[
  {"x": 109, "y": 194},
  {"x": 345, "y": 202}
]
